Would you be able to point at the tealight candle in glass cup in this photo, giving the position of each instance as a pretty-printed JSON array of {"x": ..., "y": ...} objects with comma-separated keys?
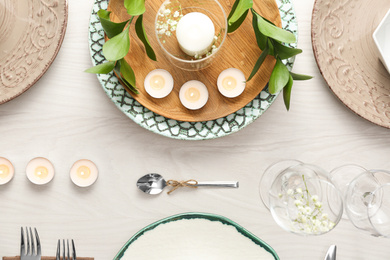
[{"x": 191, "y": 33}]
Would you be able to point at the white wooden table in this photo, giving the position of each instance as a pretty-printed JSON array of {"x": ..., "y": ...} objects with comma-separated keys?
[{"x": 67, "y": 116}]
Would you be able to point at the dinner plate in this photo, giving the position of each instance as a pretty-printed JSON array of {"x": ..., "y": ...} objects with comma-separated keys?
[
  {"x": 179, "y": 129},
  {"x": 31, "y": 34},
  {"x": 347, "y": 57},
  {"x": 195, "y": 236}
]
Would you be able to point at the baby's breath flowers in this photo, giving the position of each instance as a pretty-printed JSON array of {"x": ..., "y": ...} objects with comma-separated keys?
[
  {"x": 308, "y": 216},
  {"x": 168, "y": 18}
]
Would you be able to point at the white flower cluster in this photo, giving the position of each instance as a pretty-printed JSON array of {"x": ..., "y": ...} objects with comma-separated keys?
[
  {"x": 309, "y": 217},
  {"x": 212, "y": 51},
  {"x": 168, "y": 19}
]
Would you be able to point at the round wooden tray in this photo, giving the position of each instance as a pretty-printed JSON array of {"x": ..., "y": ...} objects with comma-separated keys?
[{"x": 240, "y": 51}]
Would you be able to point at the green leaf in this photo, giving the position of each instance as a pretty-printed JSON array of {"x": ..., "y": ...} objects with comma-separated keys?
[
  {"x": 300, "y": 76},
  {"x": 117, "y": 47},
  {"x": 103, "y": 68},
  {"x": 234, "y": 26},
  {"x": 260, "y": 61},
  {"x": 129, "y": 86},
  {"x": 110, "y": 28},
  {"x": 117, "y": 70},
  {"x": 140, "y": 30},
  {"x": 271, "y": 48},
  {"x": 285, "y": 52},
  {"x": 127, "y": 72},
  {"x": 287, "y": 92},
  {"x": 135, "y": 7},
  {"x": 279, "y": 77},
  {"x": 260, "y": 38},
  {"x": 104, "y": 14},
  {"x": 274, "y": 32},
  {"x": 238, "y": 13}
]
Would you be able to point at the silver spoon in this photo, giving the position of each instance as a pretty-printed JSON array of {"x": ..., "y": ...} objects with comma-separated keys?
[{"x": 154, "y": 183}]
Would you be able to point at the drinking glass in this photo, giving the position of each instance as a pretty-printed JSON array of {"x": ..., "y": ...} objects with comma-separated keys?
[
  {"x": 166, "y": 21},
  {"x": 367, "y": 202},
  {"x": 301, "y": 198}
]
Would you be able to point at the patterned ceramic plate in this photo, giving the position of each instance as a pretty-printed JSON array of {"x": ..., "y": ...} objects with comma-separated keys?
[
  {"x": 31, "y": 34},
  {"x": 347, "y": 57},
  {"x": 172, "y": 128},
  {"x": 195, "y": 236}
]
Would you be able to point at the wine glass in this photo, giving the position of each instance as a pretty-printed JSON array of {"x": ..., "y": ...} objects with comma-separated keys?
[
  {"x": 367, "y": 202},
  {"x": 301, "y": 198},
  {"x": 342, "y": 176}
]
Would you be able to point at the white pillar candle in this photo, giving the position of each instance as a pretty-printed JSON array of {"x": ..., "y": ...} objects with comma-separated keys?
[
  {"x": 40, "y": 171},
  {"x": 195, "y": 33},
  {"x": 6, "y": 170},
  {"x": 84, "y": 173}
]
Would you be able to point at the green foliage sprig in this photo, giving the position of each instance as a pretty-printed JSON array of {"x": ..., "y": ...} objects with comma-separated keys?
[
  {"x": 271, "y": 40},
  {"x": 118, "y": 45}
]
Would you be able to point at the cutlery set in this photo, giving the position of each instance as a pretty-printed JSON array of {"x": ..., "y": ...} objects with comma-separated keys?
[{"x": 30, "y": 247}]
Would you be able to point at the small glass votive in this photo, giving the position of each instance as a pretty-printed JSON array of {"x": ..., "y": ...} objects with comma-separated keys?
[{"x": 205, "y": 14}]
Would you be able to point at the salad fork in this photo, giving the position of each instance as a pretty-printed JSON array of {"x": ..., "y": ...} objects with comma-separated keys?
[
  {"x": 27, "y": 249},
  {"x": 65, "y": 250}
]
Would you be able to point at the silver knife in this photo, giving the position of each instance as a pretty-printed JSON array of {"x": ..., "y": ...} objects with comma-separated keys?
[{"x": 331, "y": 254}]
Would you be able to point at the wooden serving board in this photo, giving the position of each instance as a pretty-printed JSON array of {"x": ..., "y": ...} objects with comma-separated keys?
[{"x": 239, "y": 51}]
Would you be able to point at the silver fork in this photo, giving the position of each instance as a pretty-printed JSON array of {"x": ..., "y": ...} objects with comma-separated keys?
[
  {"x": 28, "y": 252},
  {"x": 65, "y": 250}
]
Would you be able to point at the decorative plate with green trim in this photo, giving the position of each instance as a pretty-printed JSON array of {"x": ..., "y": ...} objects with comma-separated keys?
[
  {"x": 195, "y": 236},
  {"x": 173, "y": 128}
]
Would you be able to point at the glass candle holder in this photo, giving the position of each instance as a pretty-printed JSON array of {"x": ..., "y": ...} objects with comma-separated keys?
[{"x": 167, "y": 20}]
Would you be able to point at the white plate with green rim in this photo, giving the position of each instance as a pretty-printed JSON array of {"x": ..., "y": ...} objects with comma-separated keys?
[
  {"x": 173, "y": 128},
  {"x": 195, "y": 236}
]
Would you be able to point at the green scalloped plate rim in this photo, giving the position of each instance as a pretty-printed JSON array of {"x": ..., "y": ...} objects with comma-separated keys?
[
  {"x": 195, "y": 215},
  {"x": 177, "y": 129}
]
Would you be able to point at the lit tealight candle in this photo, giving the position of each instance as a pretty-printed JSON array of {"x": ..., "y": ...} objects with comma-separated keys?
[
  {"x": 6, "y": 171},
  {"x": 40, "y": 171},
  {"x": 158, "y": 83},
  {"x": 193, "y": 94},
  {"x": 84, "y": 173},
  {"x": 231, "y": 82},
  {"x": 195, "y": 33}
]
